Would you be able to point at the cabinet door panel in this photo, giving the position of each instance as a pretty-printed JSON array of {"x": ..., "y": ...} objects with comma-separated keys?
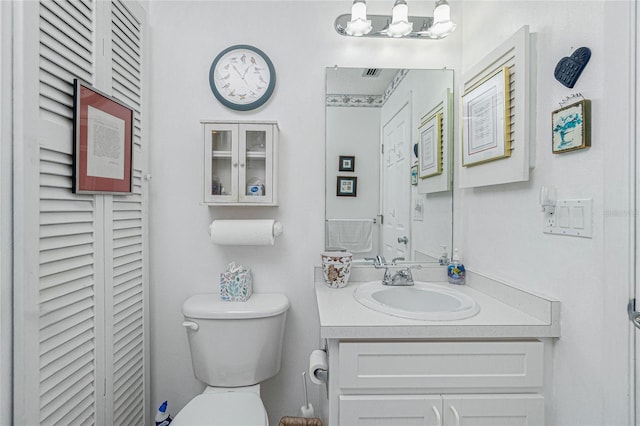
[
  {"x": 441, "y": 366},
  {"x": 385, "y": 410},
  {"x": 221, "y": 163},
  {"x": 255, "y": 163},
  {"x": 493, "y": 410}
]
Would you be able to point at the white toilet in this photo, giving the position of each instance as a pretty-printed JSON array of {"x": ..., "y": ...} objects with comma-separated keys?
[{"x": 234, "y": 347}]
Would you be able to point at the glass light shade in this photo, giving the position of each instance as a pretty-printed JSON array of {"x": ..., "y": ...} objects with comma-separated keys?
[
  {"x": 442, "y": 12},
  {"x": 359, "y": 10},
  {"x": 442, "y": 29},
  {"x": 400, "y": 25},
  {"x": 399, "y": 29},
  {"x": 359, "y": 25},
  {"x": 400, "y": 12},
  {"x": 442, "y": 23}
]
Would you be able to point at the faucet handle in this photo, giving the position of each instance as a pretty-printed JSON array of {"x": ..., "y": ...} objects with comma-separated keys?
[
  {"x": 378, "y": 261},
  {"x": 395, "y": 259}
]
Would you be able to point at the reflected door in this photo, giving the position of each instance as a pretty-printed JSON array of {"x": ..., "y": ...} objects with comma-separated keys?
[{"x": 396, "y": 186}]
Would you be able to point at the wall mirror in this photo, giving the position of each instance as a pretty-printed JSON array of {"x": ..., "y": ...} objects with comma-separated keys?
[{"x": 388, "y": 163}]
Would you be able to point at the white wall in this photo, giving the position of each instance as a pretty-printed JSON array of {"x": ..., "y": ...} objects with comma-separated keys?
[
  {"x": 185, "y": 38},
  {"x": 354, "y": 131},
  {"x": 498, "y": 229}
]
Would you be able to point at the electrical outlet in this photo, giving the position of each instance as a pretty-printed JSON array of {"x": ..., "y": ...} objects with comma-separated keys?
[{"x": 549, "y": 220}]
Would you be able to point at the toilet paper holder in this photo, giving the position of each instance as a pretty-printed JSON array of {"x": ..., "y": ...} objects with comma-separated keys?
[{"x": 321, "y": 374}]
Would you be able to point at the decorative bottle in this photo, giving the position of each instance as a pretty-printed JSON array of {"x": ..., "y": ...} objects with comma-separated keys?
[{"x": 455, "y": 270}]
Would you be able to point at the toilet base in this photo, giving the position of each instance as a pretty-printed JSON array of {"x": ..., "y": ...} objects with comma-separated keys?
[{"x": 224, "y": 407}]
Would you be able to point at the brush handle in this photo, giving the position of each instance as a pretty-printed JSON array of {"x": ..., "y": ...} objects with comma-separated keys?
[{"x": 304, "y": 383}]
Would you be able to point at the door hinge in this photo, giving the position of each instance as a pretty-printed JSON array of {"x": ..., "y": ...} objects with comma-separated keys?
[{"x": 382, "y": 148}]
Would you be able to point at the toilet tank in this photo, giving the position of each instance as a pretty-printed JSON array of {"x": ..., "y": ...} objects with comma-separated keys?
[{"x": 235, "y": 343}]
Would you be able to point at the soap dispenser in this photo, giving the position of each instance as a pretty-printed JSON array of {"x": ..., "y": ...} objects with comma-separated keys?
[
  {"x": 455, "y": 270},
  {"x": 444, "y": 257}
]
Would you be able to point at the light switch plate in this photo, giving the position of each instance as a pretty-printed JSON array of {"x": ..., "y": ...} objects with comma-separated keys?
[{"x": 571, "y": 217}]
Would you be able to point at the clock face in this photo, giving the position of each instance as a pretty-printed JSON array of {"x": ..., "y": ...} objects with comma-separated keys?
[{"x": 242, "y": 77}]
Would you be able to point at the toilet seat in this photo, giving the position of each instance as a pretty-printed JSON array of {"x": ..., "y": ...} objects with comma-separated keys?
[{"x": 223, "y": 409}]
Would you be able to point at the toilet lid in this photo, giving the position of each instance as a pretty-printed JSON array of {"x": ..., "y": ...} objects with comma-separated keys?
[{"x": 223, "y": 409}]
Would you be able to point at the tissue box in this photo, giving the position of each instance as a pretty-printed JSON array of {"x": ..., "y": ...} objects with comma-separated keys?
[{"x": 236, "y": 286}]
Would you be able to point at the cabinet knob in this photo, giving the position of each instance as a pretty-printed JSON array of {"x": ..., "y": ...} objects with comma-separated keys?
[
  {"x": 235, "y": 164},
  {"x": 241, "y": 164}
]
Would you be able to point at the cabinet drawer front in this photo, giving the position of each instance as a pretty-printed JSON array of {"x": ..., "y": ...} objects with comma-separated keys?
[
  {"x": 403, "y": 410},
  {"x": 441, "y": 365}
]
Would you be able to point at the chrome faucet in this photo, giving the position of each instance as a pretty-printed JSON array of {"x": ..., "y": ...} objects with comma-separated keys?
[{"x": 402, "y": 277}]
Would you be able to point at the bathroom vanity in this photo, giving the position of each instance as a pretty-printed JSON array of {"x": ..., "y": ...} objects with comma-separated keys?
[{"x": 493, "y": 368}]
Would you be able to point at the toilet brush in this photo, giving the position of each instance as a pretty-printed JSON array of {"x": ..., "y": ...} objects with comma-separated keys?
[{"x": 307, "y": 409}]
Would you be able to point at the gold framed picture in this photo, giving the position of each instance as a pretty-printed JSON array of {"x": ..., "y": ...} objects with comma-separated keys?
[
  {"x": 571, "y": 127},
  {"x": 430, "y": 146},
  {"x": 486, "y": 124}
]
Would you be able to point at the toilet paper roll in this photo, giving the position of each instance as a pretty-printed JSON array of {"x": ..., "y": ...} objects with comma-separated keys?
[
  {"x": 317, "y": 361},
  {"x": 245, "y": 232}
]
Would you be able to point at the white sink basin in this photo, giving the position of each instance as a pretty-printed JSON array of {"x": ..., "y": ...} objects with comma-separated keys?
[{"x": 423, "y": 301}]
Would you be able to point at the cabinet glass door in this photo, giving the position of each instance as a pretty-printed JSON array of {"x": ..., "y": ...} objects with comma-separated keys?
[
  {"x": 255, "y": 172},
  {"x": 221, "y": 163}
]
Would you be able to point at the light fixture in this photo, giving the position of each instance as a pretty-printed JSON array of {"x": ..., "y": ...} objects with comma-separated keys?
[
  {"x": 358, "y": 25},
  {"x": 442, "y": 23},
  {"x": 399, "y": 24}
]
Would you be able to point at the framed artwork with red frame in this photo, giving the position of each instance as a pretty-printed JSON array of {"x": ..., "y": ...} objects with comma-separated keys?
[{"x": 103, "y": 142}]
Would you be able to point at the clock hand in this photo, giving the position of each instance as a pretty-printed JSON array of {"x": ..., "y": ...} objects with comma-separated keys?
[{"x": 236, "y": 70}]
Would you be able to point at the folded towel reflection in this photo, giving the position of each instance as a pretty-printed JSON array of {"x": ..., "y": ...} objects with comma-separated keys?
[{"x": 353, "y": 235}]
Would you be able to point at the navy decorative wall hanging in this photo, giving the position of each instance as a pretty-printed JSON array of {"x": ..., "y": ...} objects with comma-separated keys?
[{"x": 569, "y": 68}]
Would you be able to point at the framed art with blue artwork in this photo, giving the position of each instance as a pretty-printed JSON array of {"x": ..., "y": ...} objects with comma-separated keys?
[{"x": 571, "y": 127}]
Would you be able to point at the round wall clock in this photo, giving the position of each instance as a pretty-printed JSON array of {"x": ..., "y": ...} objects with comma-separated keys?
[{"x": 242, "y": 77}]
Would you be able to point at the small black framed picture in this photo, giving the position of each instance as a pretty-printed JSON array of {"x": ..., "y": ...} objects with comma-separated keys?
[
  {"x": 347, "y": 186},
  {"x": 347, "y": 163}
]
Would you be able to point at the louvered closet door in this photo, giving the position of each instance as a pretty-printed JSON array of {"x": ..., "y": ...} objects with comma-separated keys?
[
  {"x": 69, "y": 281},
  {"x": 81, "y": 313},
  {"x": 127, "y": 225}
]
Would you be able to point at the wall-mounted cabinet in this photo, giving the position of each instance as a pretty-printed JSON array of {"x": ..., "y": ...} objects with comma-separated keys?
[{"x": 240, "y": 163}]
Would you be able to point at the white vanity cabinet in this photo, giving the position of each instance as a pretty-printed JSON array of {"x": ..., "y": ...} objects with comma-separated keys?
[
  {"x": 436, "y": 383},
  {"x": 240, "y": 163}
]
